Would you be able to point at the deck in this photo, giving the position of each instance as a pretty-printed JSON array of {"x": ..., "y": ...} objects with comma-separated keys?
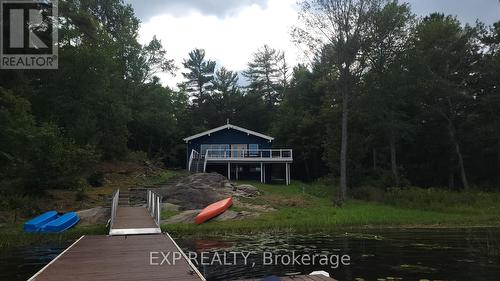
[{"x": 247, "y": 155}]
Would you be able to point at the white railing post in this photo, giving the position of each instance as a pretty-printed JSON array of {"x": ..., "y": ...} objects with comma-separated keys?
[
  {"x": 154, "y": 205},
  {"x": 114, "y": 206},
  {"x": 158, "y": 211},
  {"x": 205, "y": 162},
  {"x": 190, "y": 160}
]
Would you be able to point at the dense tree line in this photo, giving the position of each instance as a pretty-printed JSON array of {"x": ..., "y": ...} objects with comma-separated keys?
[{"x": 388, "y": 99}]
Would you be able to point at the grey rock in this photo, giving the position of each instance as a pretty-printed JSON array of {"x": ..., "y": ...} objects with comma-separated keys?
[
  {"x": 97, "y": 215},
  {"x": 248, "y": 189},
  {"x": 189, "y": 216},
  {"x": 184, "y": 217},
  {"x": 196, "y": 191},
  {"x": 170, "y": 207}
]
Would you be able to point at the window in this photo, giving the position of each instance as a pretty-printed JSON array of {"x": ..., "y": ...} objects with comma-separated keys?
[
  {"x": 216, "y": 150},
  {"x": 253, "y": 149}
]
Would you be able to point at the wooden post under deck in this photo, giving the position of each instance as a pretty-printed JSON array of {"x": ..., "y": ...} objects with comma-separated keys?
[
  {"x": 261, "y": 173},
  {"x": 264, "y": 172},
  {"x": 287, "y": 173},
  {"x": 229, "y": 170}
]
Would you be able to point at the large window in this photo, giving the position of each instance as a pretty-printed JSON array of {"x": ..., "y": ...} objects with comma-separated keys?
[
  {"x": 253, "y": 149},
  {"x": 216, "y": 150}
]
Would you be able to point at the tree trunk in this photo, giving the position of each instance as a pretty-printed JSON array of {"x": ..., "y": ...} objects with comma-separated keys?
[
  {"x": 451, "y": 176},
  {"x": 463, "y": 175},
  {"x": 394, "y": 164},
  {"x": 343, "y": 148},
  {"x": 374, "y": 159},
  {"x": 458, "y": 152},
  {"x": 308, "y": 170},
  {"x": 498, "y": 159}
]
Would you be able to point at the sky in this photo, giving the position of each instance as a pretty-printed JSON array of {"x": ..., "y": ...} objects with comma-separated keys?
[{"x": 230, "y": 31}]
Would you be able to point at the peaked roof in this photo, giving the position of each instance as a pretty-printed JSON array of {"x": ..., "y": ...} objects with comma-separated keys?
[{"x": 228, "y": 126}]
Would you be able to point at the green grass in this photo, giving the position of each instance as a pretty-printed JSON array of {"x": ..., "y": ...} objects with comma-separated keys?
[
  {"x": 12, "y": 235},
  {"x": 309, "y": 208},
  {"x": 159, "y": 179},
  {"x": 165, "y": 214}
]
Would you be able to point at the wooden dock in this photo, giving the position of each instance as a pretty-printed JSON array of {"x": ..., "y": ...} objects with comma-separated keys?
[
  {"x": 124, "y": 258},
  {"x": 134, "y": 250},
  {"x": 133, "y": 220},
  {"x": 126, "y": 253}
]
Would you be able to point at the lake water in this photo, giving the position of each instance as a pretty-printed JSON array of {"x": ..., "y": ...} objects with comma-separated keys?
[{"x": 402, "y": 254}]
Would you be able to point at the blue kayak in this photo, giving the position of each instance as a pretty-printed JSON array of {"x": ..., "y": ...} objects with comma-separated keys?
[
  {"x": 62, "y": 223},
  {"x": 34, "y": 225}
]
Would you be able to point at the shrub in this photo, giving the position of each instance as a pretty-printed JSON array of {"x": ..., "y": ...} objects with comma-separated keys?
[
  {"x": 137, "y": 156},
  {"x": 35, "y": 157},
  {"x": 368, "y": 193},
  {"x": 81, "y": 194},
  {"x": 96, "y": 179},
  {"x": 55, "y": 161},
  {"x": 439, "y": 199}
]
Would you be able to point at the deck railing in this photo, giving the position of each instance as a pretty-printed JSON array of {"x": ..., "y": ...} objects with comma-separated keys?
[
  {"x": 114, "y": 206},
  {"x": 282, "y": 154},
  {"x": 154, "y": 205},
  {"x": 194, "y": 155}
]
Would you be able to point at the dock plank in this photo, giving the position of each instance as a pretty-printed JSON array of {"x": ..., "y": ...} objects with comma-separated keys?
[
  {"x": 133, "y": 217},
  {"x": 123, "y": 258}
]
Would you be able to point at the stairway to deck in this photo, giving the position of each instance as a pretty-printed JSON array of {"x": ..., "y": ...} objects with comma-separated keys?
[
  {"x": 124, "y": 198},
  {"x": 197, "y": 166}
]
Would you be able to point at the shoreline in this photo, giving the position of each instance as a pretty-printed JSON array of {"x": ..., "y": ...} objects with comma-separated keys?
[{"x": 191, "y": 231}]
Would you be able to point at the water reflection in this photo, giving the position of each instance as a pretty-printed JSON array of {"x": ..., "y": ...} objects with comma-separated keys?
[
  {"x": 22, "y": 263},
  {"x": 391, "y": 254}
]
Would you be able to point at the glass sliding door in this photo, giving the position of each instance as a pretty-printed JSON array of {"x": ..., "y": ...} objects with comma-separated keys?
[
  {"x": 215, "y": 150},
  {"x": 238, "y": 150}
]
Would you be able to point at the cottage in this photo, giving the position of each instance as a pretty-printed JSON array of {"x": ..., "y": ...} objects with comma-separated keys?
[{"x": 238, "y": 153}]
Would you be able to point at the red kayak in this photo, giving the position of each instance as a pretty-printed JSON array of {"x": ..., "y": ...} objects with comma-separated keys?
[{"x": 213, "y": 210}]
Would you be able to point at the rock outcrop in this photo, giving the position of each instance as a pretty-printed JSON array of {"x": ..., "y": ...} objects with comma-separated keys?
[
  {"x": 188, "y": 195},
  {"x": 97, "y": 215},
  {"x": 196, "y": 191}
]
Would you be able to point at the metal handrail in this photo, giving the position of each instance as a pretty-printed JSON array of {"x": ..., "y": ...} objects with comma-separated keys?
[
  {"x": 154, "y": 205},
  {"x": 205, "y": 162},
  {"x": 114, "y": 206},
  {"x": 249, "y": 153},
  {"x": 194, "y": 155}
]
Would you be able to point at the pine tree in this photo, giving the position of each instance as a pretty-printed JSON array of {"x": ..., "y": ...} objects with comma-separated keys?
[
  {"x": 265, "y": 73},
  {"x": 200, "y": 75}
]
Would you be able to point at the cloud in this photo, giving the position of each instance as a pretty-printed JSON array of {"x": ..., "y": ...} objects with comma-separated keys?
[
  {"x": 146, "y": 9},
  {"x": 230, "y": 41},
  {"x": 230, "y": 31},
  {"x": 467, "y": 11}
]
